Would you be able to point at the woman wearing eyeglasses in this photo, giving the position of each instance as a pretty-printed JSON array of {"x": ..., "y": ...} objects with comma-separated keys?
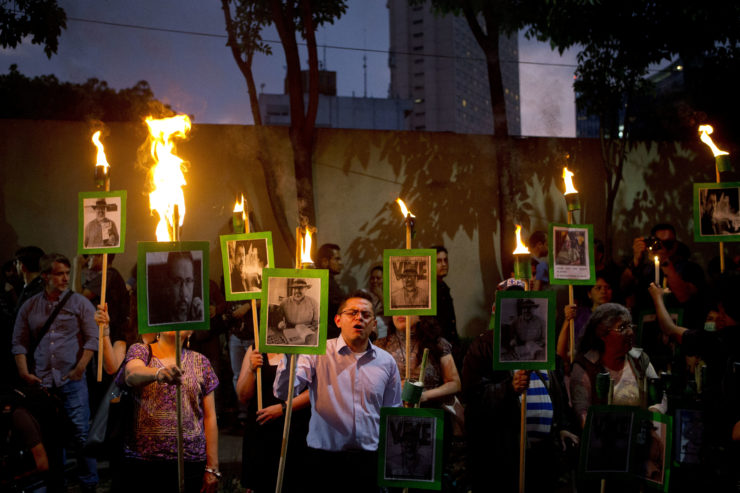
[{"x": 607, "y": 346}]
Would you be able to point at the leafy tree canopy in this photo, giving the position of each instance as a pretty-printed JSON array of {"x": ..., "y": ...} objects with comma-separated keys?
[
  {"x": 46, "y": 98},
  {"x": 42, "y": 20}
]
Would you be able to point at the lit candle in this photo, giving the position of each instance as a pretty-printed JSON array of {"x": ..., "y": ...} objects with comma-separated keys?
[{"x": 657, "y": 271}]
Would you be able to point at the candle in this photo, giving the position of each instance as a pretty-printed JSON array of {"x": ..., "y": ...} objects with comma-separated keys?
[{"x": 657, "y": 271}]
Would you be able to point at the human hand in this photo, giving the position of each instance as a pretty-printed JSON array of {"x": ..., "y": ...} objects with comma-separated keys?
[
  {"x": 31, "y": 379},
  {"x": 570, "y": 312},
  {"x": 566, "y": 436},
  {"x": 520, "y": 381},
  {"x": 102, "y": 318},
  {"x": 656, "y": 292},
  {"x": 171, "y": 374},
  {"x": 75, "y": 374},
  {"x": 255, "y": 360},
  {"x": 638, "y": 249},
  {"x": 196, "y": 309},
  {"x": 210, "y": 483},
  {"x": 267, "y": 414}
]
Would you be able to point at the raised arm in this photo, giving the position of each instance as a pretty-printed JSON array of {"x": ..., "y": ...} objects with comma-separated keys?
[{"x": 665, "y": 321}]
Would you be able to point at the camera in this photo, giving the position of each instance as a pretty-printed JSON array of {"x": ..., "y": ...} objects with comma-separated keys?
[{"x": 652, "y": 243}]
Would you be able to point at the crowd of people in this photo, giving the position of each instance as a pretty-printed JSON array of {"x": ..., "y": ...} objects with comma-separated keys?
[{"x": 687, "y": 359}]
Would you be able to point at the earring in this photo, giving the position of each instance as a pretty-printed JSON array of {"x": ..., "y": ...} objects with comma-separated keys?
[{"x": 187, "y": 344}]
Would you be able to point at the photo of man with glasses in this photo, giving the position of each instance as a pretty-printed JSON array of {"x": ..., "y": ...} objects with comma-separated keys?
[{"x": 175, "y": 291}]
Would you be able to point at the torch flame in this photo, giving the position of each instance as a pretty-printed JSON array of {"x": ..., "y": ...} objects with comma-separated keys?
[
  {"x": 404, "y": 210},
  {"x": 306, "y": 248},
  {"x": 705, "y": 131},
  {"x": 239, "y": 207},
  {"x": 101, "y": 160},
  {"x": 520, "y": 247},
  {"x": 166, "y": 176},
  {"x": 568, "y": 179}
]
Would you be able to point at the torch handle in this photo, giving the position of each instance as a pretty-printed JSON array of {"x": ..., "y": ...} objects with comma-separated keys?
[
  {"x": 571, "y": 326},
  {"x": 286, "y": 425},
  {"x": 522, "y": 441},
  {"x": 408, "y": 348},
  {"x": 180, "y": 447},
  {"x": 255, "y": 324},
  {"x": 103, "y": 284}
]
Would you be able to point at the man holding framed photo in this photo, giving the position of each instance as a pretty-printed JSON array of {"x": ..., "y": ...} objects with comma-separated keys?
[{"x": 348, "y": 386}]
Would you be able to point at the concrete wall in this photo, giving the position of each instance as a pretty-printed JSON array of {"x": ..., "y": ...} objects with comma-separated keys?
[{"x": 449, "y": 181}]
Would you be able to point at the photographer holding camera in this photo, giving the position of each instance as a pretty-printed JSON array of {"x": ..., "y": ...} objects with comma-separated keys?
[{"x": 684, "y": 278}]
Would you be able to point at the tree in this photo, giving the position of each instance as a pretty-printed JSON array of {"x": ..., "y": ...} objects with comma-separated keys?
[
  {"x": 43, "y": 20},
  {"x": 46, "y": 98}
]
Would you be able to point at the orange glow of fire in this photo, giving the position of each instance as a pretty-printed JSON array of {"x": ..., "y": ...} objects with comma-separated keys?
[
  {"x": 705, "y": 131},
  {"x": 521, "y": 248},
  {"x": 166, "y": 176},
  {"x": 306, "y": 248},
  {"x": 568, "y": 179},
  {"x": 101, "y": 160},
  {"x": 404, "y": 210},
  {"x": 239, "y": 207}
]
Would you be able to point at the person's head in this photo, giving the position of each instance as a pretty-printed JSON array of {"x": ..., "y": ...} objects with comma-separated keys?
[
  {"x": 525, "y": 307},
  {"x": 399, "y": 321},
  {"x": 666, "y": 233},
  {"x": 443, "y": 263},
  {"x": 95, "y": 261},
  {"x": 409, "y": 276},
  {"x": 27, "y": 259},
  {"x": 610, "y": 325},
  {"x": 328, "y": 257},
  {"x": 240, "y": 255},
  {"x": 181, "y": 282},
  {"x": 538, "y": 243},
  {"x": 600, "y": 293},
  {"x": 299, "y": 288},
  {"x": 100, "y": 209},
  {"x": 376, "y": 279},
  {"x": 55, "y": 270},
  {"x": 356, "y": 320}
]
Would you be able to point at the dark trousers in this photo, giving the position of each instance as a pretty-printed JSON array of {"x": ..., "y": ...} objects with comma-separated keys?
[
  {"x": 161, "y": 476},
  {"x": 339, "y": 472}
]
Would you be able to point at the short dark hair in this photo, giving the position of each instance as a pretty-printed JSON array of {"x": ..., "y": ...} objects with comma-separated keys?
[
  {"x": 376, "y": 267},
  {"x": 440, "y": 248},
  {"x": 537, "y": 237},
  {"x": 46, "y": 263},
  {"x": 356, "y": 294},
  {"x": 326, "y": 251},
  {"x": 662, "y": 227},
  {"x": 29, "y": 256},
  {"x": 173, "y": 257}
]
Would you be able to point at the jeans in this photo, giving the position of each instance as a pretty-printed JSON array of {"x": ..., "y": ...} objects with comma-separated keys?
[
  {"x": 77, "y": 408},
  {"x": 237, "y": 349}
]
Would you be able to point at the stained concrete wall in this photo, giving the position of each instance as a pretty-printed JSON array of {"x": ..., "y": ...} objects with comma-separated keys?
[{"x": 449, "y": 181}]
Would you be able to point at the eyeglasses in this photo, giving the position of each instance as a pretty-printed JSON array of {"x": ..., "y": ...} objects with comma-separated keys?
[
  {"x": 624, "y": 327},
  {"x": 364, "y": 314}
]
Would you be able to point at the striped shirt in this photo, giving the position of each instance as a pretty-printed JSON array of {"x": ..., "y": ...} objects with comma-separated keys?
[{"x": 539, "y": 408}]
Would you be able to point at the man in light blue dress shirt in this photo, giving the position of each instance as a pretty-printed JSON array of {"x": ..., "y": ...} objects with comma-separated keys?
[{"x": 348, "y": 385}]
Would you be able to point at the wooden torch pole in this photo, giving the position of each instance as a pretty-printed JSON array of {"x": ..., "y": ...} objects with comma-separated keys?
[
  {"x": 178, "y": 362},
  {"x": 255, "y": 325},
  {"x": 408, "y": 318},
  {"x": 103, "y": 285}
]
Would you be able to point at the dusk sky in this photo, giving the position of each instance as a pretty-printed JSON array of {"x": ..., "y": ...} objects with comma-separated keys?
[{"x": 194, "y": 71}]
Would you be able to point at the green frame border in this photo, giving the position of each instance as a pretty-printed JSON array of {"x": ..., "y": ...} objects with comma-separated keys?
[
  {"x": 549, "y": 364},
  {"x": 419, "y": 252},
  {"x": 142, "y": 302},
  {"x": 267, "y": 276},
  {"x": 81, "y": 250},
  {"x": 641, "y": 321},
  {"x": 438, "y": 415},
  {"x": 698, "y": 237},
  {"x": 636, "y": 415},
  {"x": 224, "y": 239},
  {"x": 589, "y": 248}
]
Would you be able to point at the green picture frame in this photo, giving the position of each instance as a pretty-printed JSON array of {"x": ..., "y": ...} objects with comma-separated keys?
[
  {"x": 627, "y": 443},
  {"x": 256, "y": 254},
  {"x": 571, "y": 254},
  {"x": 535, "y": 312},
  {"x": 169, "y": 290},
  {"x": 278, "y": 332},
  {"x": 714, "y": 219},
  {"x": 411, "y": 271},
  {"x": 410, "y": 448},
  {"x": 101, "y": 234}
]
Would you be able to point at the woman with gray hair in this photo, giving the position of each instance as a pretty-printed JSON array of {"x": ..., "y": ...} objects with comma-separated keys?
[{"x": 606, "y": 346}]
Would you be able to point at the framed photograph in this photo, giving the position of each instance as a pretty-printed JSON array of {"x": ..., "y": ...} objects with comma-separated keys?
[
  {"x": 102, "y": 222},
  {"x": 294, "y": 311},
  {"x": 717, "y": 211},
  {"x": 524, "y": 330},
  {"x": 410, "y": 282},
  {"x": 172, "y": 283},
  {"x": 571, "y": 254},
  {"x": 606, "y": 446},
  {"x": 410, "y": 449},
  {"x": 689, "y": 430},
  {"x": 653, "y": 449},
  {"x": 244, "y": 256}
]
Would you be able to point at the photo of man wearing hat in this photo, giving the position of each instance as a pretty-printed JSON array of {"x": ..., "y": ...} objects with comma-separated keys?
[
  {"x": 406, "y": 291},
  {"x": 528, "y": 332},
  {"x": 297, "y": 320},
  {"x": 101, "y": 231}
]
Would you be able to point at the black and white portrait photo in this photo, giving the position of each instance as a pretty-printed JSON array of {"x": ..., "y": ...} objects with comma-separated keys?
[
  {"x": 720, "y": 211},
  {"x": 102, "y": 219},
  {"x": 174, "y": 282},
  {"x": 247, "y": 258},
  {"x": 410, "y": 282},
  {"x": 524, "y": 329},
  {"x": 410, "y": 448},
  {"x": 294, "y": 311}
]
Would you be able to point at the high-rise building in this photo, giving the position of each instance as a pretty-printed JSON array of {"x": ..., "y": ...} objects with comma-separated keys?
[{"x": 436, "y": 62}]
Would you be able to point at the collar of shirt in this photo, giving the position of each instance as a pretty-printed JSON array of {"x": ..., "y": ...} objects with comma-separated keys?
[{"x": 343, "y": 348}]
